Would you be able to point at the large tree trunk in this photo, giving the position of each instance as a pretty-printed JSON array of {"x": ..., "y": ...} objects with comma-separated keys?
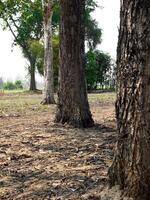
[
  {"x": 48, "y": 54},
  {"x": 32, "y": 75},
  {"x": 73, "y": 107},
  {"x": 131, "y": 165}
]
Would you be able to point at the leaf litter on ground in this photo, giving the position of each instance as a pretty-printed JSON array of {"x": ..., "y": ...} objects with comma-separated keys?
[{"x": 43, "y": 160}]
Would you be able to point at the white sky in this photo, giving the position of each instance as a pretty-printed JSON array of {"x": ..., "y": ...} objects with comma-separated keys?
[{"x": 12, "y": 63}]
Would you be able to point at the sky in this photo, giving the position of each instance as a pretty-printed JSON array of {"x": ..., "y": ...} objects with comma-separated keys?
[{"x": 13, "y": 65}]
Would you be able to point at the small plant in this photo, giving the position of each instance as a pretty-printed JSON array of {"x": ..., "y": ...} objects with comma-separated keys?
[{"x": 18, "y": 84}]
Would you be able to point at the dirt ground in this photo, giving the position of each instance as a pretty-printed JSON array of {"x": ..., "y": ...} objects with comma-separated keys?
[{"x": 42, "y": 160}]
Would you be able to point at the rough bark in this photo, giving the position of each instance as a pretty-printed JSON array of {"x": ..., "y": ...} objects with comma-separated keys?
[
  {"x": 73, "y": 107},
  {"x": 131, "y": 165},
  {"x": 48, "y": 54},
  {"x": 32, "y": 75}
]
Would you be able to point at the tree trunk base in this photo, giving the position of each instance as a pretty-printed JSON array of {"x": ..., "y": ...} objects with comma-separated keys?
[
  {"x": 113, "y": 193},
  {"x": 47, "y": 101},
  {"x": 36, "y": 91},
  {"x": 77, "y": 122},
  {"x": 33, "y": 89},
  {"x": 136, "y": 186}
]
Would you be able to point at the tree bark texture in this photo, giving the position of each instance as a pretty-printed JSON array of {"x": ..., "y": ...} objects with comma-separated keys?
[
  {"x": 73, "y": 106},
  {"x": 131, "y": 165},
  {"x": 32, "y": 75},
  {"x": 48, "y": 53}
]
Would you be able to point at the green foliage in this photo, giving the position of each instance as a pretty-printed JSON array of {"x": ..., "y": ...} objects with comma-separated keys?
[
  {"x": 36, "y": 50},
  {"x": 91, "y": 69},
  {"x": 18, "y": 84},
  {"x": 103, "y": 67},
  {"x": 9, "y": 85},
  {"x": 13, "y": 86},
  {"x": 98, "y": 69},
  {"x": 23, "y": 18},
  {"x": 92, "y": 32},
  {"x": 25, "y": 21}
]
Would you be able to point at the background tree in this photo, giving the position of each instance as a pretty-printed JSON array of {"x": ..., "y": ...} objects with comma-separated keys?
[
  {"x": 48, "y": 53},
  {"x": 99, "y": 69},
  {"x": 9, "y": 85},
  {"x": 18, "y": 84},
  {"x": 90, "y": 70},
  {"x": 131, "y": 166},
  {"x": 93, "y": 33},
  {"x": 73, "y": 107},
  {"x": 24, "y": 20},
  {"x": 103, "y": 67},
  {"x": 40, "y": 54},
  {"x": 36, "y": 48}
]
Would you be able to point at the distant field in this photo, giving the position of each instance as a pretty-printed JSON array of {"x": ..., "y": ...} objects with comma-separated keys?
[
  {"x": 12, "y": 91},
  {"x": 23, "y": 101}
]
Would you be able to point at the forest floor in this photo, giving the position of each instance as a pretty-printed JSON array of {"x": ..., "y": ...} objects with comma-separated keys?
[{"x": 42, "y": 160}]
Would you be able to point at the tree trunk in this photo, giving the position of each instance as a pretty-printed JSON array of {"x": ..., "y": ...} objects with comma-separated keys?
[
  {"x": 32, "y": 75},
  {"x": 131, "y": 165},
  {"x": 48, "y": 54},
  {"x": 73, "y": 107}
]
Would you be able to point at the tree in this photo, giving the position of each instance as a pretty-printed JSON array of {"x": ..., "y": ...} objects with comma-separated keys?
[
  {"x": 55, "y": 43},
  {"x": 98, "y": 68},
  {"x": 9, "y": 85},
  {"x": 131, "y": 165},
  {"x": 73, "y": 107},
  {"x": 37, "y": 51},
  {"x": 48, "y": 53},
  {"x": 18, "y": 84},
  {"x": 24, "y": 20},
  {"x": 92, "y": 32},
  {"x": 103, "y": 67},
  {"x": 90, "y": 70},
  {"x": 40, "y": 52}
]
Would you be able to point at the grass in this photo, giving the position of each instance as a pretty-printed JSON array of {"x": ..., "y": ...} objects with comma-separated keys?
[
  {"x": 22, "y": 101},
  {"x": 107, "y": 97},
  {"x": 12, "y": 91}
]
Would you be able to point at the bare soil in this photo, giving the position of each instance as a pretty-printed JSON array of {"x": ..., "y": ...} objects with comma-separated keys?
[{"x": 41, "y": 160}]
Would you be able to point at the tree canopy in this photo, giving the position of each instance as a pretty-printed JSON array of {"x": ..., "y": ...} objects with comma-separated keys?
[{"x": 98, "y": 69}]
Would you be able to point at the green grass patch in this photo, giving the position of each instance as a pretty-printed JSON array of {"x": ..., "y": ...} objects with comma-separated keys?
[
  {"x": 108, "y": 97},
  {"x": 23, "y": 102}
]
